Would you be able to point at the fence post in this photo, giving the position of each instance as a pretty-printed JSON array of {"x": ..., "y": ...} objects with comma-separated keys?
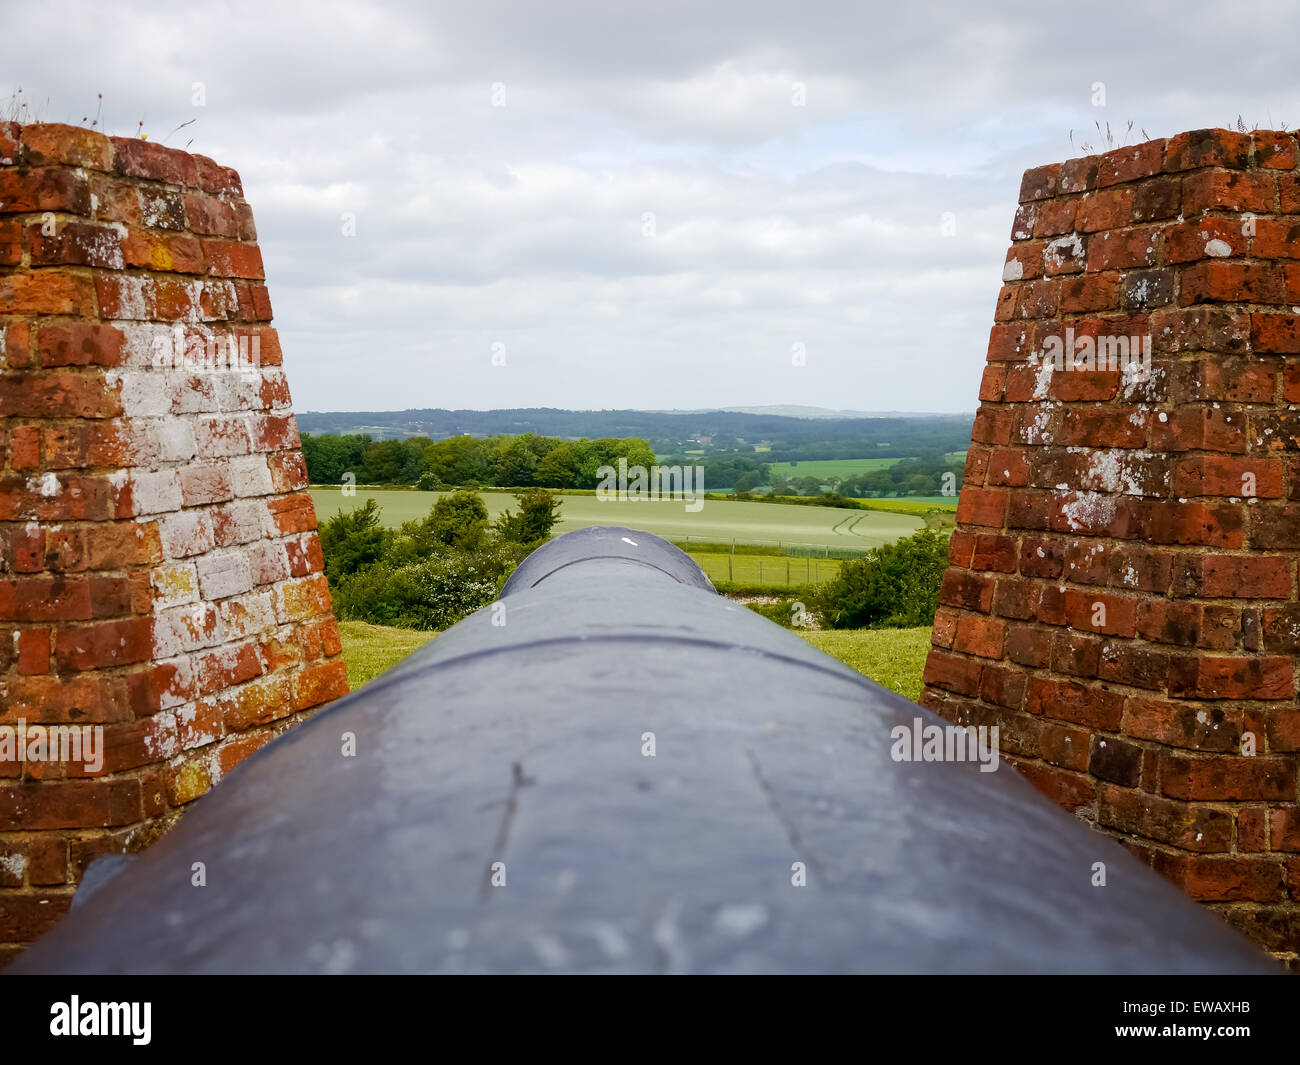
[{"x": 729, "y": 577}]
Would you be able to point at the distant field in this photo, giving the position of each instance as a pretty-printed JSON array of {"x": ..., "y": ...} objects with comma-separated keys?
[
  {"x": 908, "y": 504},
  {"x": 774, "y": 571},
  {"x": 893, "y": 658},
  {"x": 830, "y": 467},
  {"x": 720, "y": 520}
]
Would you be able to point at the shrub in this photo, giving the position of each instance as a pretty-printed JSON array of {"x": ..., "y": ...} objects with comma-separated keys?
[
  {"x": 352, "y": 540},
  {"x": 893, "y": 586},
  {"x": 459, "y": 520},
  {"x": 783, "y": 611},
  {"x": 539, "y": 510},
  {"x": 431, "y": 594}
]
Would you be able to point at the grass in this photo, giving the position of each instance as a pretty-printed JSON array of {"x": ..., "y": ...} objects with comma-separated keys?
[
  {"x": 894, "y": 658},
  {"x": 919, "y": 506},
  {"x": 825, "y": 468},
  {"x": 368, "y": 650},
  {"x": 717, "y": 520},
  {"x": 765, "y": 571}
]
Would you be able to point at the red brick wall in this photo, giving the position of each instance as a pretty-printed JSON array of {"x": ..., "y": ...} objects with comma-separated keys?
[
  {"x": 1121, "y": 596},
  {"x": 160, "y": 575}
]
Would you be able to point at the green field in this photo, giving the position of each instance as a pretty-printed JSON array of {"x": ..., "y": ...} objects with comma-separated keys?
[
  {"x": 368, "y": 650},
  {"x": 829, "y": 467},
  {"x": 766, "y": 571},
  {"x": 894, "y": 658},
  {"x": 718, "y": 520}
]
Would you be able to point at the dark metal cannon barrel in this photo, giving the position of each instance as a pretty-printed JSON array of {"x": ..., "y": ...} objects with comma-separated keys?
[{"x": 613, "y": 769}]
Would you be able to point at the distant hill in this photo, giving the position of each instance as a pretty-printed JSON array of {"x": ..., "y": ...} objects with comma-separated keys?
[
  {"x": 777, "y": 437},
  {"x": 795, "y": 411}
]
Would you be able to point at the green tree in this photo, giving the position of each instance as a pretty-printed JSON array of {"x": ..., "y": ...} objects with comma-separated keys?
[
  {"x": 459, "y": 520},
  {"x": 539, "y": 510},
  {"x": 460, "y": 460},
  {"x": 383, "y": 462},
  {"x": 352, "y": 540},
  {"x": 893, "y": 586},
  {"x": 330, "y": 457},
  {"x": 516, "y": 462},
  {"x": 559, "y": 469}
]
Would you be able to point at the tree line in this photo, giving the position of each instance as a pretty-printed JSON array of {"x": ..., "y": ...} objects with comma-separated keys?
[
  {"x": 532, "y": 461},
  {"x": 908, "y": 477},
  {"x": 523, "y": 461}
]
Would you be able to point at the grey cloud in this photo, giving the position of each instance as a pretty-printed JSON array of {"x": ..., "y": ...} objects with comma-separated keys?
[{"x": 522, "y": 224}]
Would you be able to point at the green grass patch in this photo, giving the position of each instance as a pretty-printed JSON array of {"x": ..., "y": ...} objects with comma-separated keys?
[
  {"x": 919, "y": 506},
  {"x": 764, "y": 572},
  {"x": 825, "y": 468},
  {"x": 368, "y": 650},
  {"x": 893, "y": 658}
]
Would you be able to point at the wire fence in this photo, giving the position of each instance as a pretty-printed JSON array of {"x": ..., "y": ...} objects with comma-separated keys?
[
  {"x": 740, "y": 546},
  {"x": 767, "y": 571}
]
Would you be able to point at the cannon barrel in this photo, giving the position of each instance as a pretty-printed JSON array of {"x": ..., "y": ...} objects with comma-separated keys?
[{"x": 614, "y": 769}]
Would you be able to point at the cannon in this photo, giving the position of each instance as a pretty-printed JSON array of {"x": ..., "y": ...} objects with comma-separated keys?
[{"x": 613, "y": 769}]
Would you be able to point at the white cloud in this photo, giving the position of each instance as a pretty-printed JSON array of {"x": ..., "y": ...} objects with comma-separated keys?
[{"x": 524, "y": 224}]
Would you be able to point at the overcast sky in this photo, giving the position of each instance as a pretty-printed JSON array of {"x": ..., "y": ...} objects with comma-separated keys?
[{"x": 643, "y": 204}]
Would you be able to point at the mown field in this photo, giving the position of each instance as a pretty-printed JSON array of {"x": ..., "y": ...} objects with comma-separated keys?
[
  {"x": 765, "y": 571},
  {"x": 718, "y": 520},
  {"x": 829, "y": 467},
  {"x": 893, "y": 658}
]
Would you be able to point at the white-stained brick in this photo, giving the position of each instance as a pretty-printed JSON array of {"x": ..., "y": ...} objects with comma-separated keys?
[
  {"x": 251, "y": 476},
  {"x": 145, "y": 343},
  {"x": 248, "y": 390},
  {"x": 224, "y": 298},
  {"x": 193, "y": 730},
  {"x": 160, "y": 741},
  {"x": 276, "y": 377},
  {"x": 242, "y": 521},
  {"x": 155, "y": 491},
  {"x": 145, "y": 393},
  {"x": 247, "y": 615},
  {"x": 174, "y": 584},
  {"x": 186, "y": 533},
  {"x": 174, "y": 438},
  {"x": 176, "y": 691},
  {"x": 230, "y": 393},
  {"x": 269, "y": 562},
  {"x": 186, "y": 628},
  {"x": 198, "y": 393},
  {"x": 224, "y": 574},
  {"x": 221, "y": 436}
]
